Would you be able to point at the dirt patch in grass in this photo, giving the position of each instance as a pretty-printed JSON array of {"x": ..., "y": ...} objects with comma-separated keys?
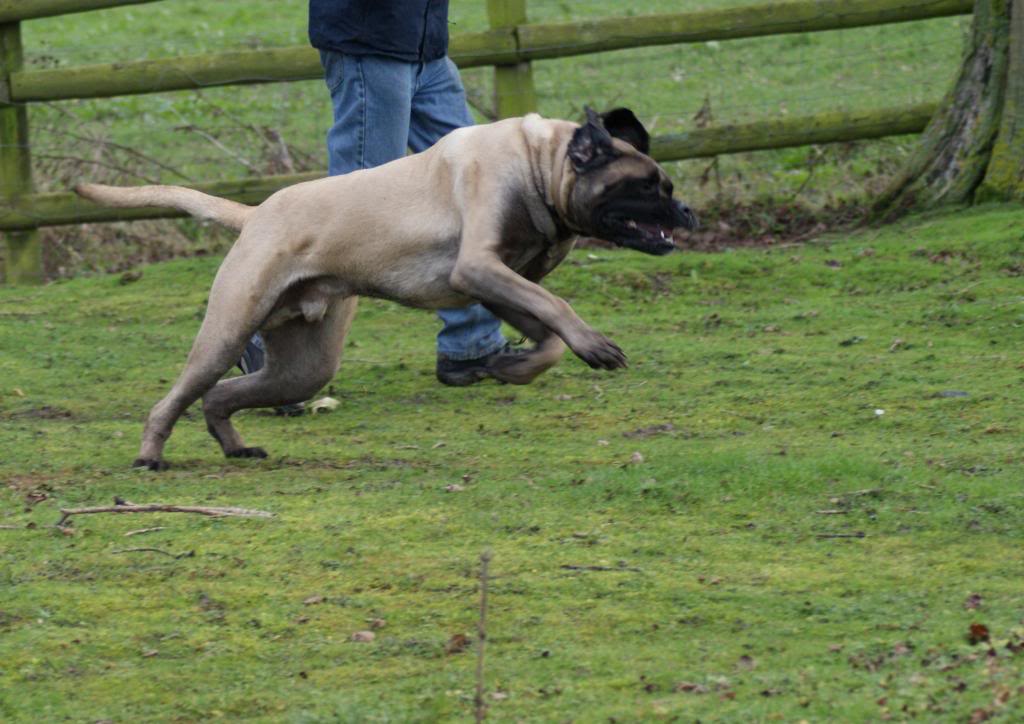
[{"x": 44, "y": 412}]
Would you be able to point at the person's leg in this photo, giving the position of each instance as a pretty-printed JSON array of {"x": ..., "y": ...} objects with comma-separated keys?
[
  {"x": 372, "y": 101},
  {"x": 439, "y": 107}
]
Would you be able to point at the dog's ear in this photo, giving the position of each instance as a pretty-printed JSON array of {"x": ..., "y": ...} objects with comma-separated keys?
[
  {"x": 622, "y": 123},
  {"x": 591, "y": 145}
]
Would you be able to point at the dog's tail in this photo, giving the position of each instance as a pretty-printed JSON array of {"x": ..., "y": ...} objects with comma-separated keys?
[{"x": 202, "y": 206}]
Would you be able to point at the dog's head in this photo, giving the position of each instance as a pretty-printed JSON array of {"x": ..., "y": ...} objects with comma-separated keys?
[{"x": 621, "y": 194}]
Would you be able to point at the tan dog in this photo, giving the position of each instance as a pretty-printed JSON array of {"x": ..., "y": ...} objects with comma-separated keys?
[{"x": 482, "y": 216}]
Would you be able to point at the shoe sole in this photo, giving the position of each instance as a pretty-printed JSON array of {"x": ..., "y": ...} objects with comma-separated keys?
[{"x": 463, "y": 379}]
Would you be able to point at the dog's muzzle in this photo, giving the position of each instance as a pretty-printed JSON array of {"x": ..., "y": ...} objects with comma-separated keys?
[{"x": 685, "y": 218}]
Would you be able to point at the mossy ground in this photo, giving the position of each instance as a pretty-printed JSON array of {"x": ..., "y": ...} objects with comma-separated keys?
[{"x": 753, "y": 400}]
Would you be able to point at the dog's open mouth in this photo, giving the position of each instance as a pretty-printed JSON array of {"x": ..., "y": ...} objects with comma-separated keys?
[
  {"x": 651, "y": 231},
  {"x": 645, "y": 236}
]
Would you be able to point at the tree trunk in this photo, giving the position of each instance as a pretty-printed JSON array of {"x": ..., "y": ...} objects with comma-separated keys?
[
  {"x": 974, "y": 145},
  {"x": 1005, "y": 177}
]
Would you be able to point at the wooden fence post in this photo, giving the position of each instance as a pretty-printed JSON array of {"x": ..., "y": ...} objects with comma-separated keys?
[
  {"x": 514, "y": 94},
  {"x": 24, "y": 257}
]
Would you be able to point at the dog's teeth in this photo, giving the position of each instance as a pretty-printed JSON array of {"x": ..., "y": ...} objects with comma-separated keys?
[{"x": 631, "y": 224}]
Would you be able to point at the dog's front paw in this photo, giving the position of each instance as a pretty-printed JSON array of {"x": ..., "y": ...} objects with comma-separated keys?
[
  {"x": 247, "y": 452},
  {"x": 154, "y": 465},
  {"x": 600, "y": 352}
]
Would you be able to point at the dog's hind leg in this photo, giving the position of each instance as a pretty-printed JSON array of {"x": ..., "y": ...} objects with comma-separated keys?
[
  {"x": 210, "y": 358},
  {"x": 302, "y": 356},
  {"x": 523, "y": 367},
  {"x": 242, "y": 295}
]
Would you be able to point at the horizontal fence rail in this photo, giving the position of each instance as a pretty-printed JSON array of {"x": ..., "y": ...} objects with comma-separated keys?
[
  {"x": 517, "y": 44},
  {"x": 831, "y": 127},
  {"x": 12, "y": 11},
  {"x": 61, "y": 208},
  {"x": 241, "y": 67},
  {"x": 55, "y": 209},
  {"x": 538, "y": 42}
]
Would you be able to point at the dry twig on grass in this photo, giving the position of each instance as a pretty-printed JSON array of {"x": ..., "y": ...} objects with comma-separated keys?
[
  {"x": 124, "y": 506},
  {"x": 569, "y": 567},
  {"x": 187, "y": 554},
  {"x": 481, "y": 638}
]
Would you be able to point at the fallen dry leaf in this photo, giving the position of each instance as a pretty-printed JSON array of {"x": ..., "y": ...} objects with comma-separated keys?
[
  {"x": 324, "y": 404},
  {"x": 691, "y": 688},
  {"x": 313, "y": 600},
  {"x": 636, "y": 458},
  {"x": 457, "y": 644},
  {"x": 977, "y": 633},
  {"x": 454, "y": 488},
  {"x": 980, "y": 715},
  {"x": 972, "y": 602},
  {"x": 377, "y": 623},
  {"x": 363, "y": 637}
]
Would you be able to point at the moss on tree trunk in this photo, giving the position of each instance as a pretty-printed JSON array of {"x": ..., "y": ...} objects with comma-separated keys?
[
  {"x": 974, "y": 145},
  {"x": 1005, "y": 176}
]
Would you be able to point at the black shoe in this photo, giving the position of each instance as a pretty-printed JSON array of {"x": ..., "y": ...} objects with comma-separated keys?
[
  {"x": 465, "y": 372},
  {"x": 253, "y": 358}
]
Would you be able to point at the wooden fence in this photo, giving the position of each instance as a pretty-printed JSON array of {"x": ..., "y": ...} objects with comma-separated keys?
[{"x": 510, "y": 45}]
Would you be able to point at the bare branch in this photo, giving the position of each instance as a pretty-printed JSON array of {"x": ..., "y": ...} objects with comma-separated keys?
[
  {"x": 188, "y": 554},
  {"x": 281, "y": 155},
  {"x": 123, "y": 506},
  {"x": 186, "y": 126},
  {"x": 96, "y": 162}
]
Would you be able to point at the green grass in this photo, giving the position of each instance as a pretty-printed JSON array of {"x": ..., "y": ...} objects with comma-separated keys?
[
  {"x": 768, "y": 365},
  {"x": 742, "y": 81}
]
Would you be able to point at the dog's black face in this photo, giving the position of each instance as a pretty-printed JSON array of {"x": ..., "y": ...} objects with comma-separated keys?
[{"x": 621, "y": 194}]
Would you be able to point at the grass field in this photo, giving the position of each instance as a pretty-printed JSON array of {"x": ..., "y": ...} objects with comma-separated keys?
[
  {"x": 232, "y": 132},
  {"x": 793, "y": 506}
]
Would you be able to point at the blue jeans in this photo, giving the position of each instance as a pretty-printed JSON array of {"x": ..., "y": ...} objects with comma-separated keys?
[{"x": 382, "y": 107}]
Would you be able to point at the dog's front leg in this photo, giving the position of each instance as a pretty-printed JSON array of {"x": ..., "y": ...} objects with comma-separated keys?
[{"x": 482, "y": 275}]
